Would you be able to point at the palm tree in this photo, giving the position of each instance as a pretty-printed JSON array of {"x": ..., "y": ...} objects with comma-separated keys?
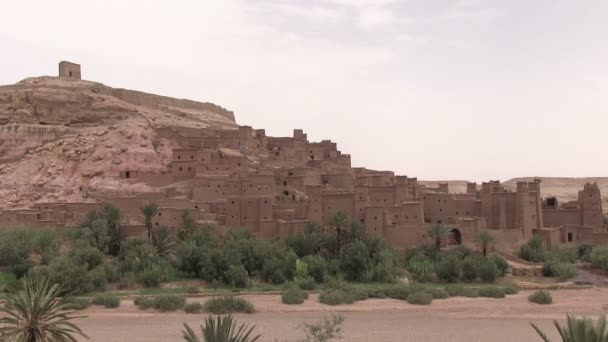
[
  {"x": 221, "y": 329},
  {"x": 339, "y": 223},
  {"x": 149, "y": 210},
  {"x": 578, "y": 330},
  {"x": 164, "y": 242},
  {"x": 485, "y": 240},
  {"x": 438, "y": 232},
  {"x": 36, "y": 313}
]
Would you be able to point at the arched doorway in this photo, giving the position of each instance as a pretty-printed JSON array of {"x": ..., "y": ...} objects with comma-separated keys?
[{"x": 454, "y": 237}]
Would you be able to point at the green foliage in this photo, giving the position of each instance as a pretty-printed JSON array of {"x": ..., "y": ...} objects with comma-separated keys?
[
  {"x": 470, "y": 268},
  {"x": 438, "y": 233},
  {"x": 149, "y": 211},
  {"x": 336, "y": 297},
  {"x": 354, "y": 261},
  {"x": 501, "y": 264},
  {"x": 599, "y": 257},
  {"x": 293, "y": 295},
  {"x": 578, "y": 330},
  {"x": 533, "y": 250},
  {"x": 307, "y": 283},
  {"x": 74, "y": 275},
  {"x": 561, "y": 270},
  {"x": 228, "y": 304},
  {"x": 317, "y": 267},
  {"x": 420, "y": 298},
  {"x": 461, "y": 291},
  {"x": 488, "y": 271},
  {"x": 193, "y": 308},
  {"x": 584, "y": 251},
  {"x": 189, "y": 226},
  {"x": 448, "y": 269},
  {"x": 510, "y": 290},
  {"x": 492, "y": 292},
  {"x": 541, "y": 297},
  {"x": 421, "y": 267},
  {"x": 237, "y": 276},
  {"x": 151, "y": 276},
  {"x": 77, "y": 303},
  {"x": 102, "y": 229},
  {"x": 164, "y": 242},
  {"x": 324, "y": 330},
  {"x": 36, "y": 312},
  {"x": 307, "y": 242},
  {"x": 485, "y": 240},
  {"x": 107, "y": 300},
  {"x": 169, "y": 302},
  {"x": 221, "y": 329},
  {"x": 8, "y": 281},
  {"x": 144, "y": 303}
]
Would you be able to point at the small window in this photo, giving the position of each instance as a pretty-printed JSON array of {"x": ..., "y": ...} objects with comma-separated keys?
[{"x": 180, "y": 169}]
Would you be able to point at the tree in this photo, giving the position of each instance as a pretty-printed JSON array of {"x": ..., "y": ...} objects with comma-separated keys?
[
  {"x": 189, "y": 226},
  {"x": 221, "y": 329},
  {"x": 164, "y": 242},
  {"x": 578, "y": 330},
  {"x": 485, "y": 240},
  {"x": 103, "y": 229},
  {"x": 149, "y": 211},
  {"x": 36, "y": 313},
  {"x": 307, "y": 242},
  {"x": 339, "y": 223},
  {"x": 438, "y": 232}
]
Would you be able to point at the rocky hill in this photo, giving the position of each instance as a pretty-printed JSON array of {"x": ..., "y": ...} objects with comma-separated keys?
[{"x": 63, "y": 139}]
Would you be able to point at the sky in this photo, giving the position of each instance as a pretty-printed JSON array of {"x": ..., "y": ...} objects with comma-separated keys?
[{"x": 434, "y": 89}]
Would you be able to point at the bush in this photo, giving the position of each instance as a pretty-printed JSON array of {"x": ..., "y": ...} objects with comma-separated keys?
[
  {"x": 420, "y": 298},
  {"x": 307, "y": 283},
  {"x": 193, "y": 308},
  {"x": 421, "y": 267},
  {"x": 237, "y": 276},
  {"x": 561, "y": 270},
  {"x": 227, "y": 305},
  {"x": 293, "y": 295},
  {"x": 127, "y": 281},
  {"x": 336, "y": 297},
  {"x": 533, "y": 250},
  {"x": 144, "y": 303},
  {"x": 501, "y": 264},
  {"x": 78, "y": 303},
  {"x": 436, "y": 292},
  {"x": 397, "y": 292},
  {"x": 492, "y": 292},
  {"x": 488, "y": 271},
  {"x": 8, "y": 281},
  {"x": 599, "y": 257},
  {"x": 461, "y": 291},
  {"x": 541, "y": 297},
  {"x": 448, "y": 269},
  {"x": 169, "y": 302},
  {"x": 151, "y": 276},
  {"x": 510, "y": 290},
  {"x": 107, "y": 300},
  {"x": 317, "y": 267},
  {"x": 584, "y": 251},
  {"x": 355, "y": 261},
  {"x": 470, "y": 268}
]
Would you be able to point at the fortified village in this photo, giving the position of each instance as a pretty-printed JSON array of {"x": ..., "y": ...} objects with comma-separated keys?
[{"x": 67, "y": 146}]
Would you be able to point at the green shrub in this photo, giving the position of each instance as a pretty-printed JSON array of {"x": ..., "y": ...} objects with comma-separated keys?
[
  {"x": 8, "y": 281},
  {"x": 78, "y": 303},
  {"x": 127, "y": 281},
  {"x": 448, "y": 269},
  {"x": 541, "y": 297},
  {"x": 294, "y": 295},
  {"x": 470, "y": 268},
  {"x": 151, "y": 276},
  {"x": 237, "y": 276},
  {"x": 436, "y": 292},
  {"x": 354, "y": 261},
  {"x": 461, "y": 291},
  {"x": 336, "y": 297},
  {"x": 107, "y": 300},
  {"x": 533, "y": 250},
  {"x": 510, "y": 290},
  {"x": 561, "y": 270},
  {"x": 398, "y": 292},
  {"x": 317, "y": 267},
  {"x": 599, "y": 257},
  {"x": 227, "y": 305},
  {"x": 144, "y": 303},
  {"x": 193, "y": 289},
  {"x": 492, "y": 292},
  {"x": 488, "y": 271},
  {"x": 193, "y": 308},
  {"x": 420, "y": 298},
  {"x": 584, "y": 251},
  {"x": 169, "y": 302},
  {"x": 307, "y": 283},
  {"x": 501, "y": 264},
  {"x": 421, "y": 267}
]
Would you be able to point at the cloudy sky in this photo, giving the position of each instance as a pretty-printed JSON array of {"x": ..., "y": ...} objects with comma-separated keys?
[{"x": 439, "y": 89}]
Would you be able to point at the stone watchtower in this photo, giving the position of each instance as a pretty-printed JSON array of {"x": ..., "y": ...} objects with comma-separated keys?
[{"x": 71, "y": 70}]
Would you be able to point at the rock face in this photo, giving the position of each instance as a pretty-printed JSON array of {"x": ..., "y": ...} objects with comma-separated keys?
[{"x": 64, "y": 139}]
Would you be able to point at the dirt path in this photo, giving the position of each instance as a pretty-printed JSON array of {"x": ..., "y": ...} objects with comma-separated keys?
[{"x": 453, "y": 319}]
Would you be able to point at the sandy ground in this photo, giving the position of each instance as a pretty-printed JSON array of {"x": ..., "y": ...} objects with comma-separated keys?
[{"x": 453, "y": 319}]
